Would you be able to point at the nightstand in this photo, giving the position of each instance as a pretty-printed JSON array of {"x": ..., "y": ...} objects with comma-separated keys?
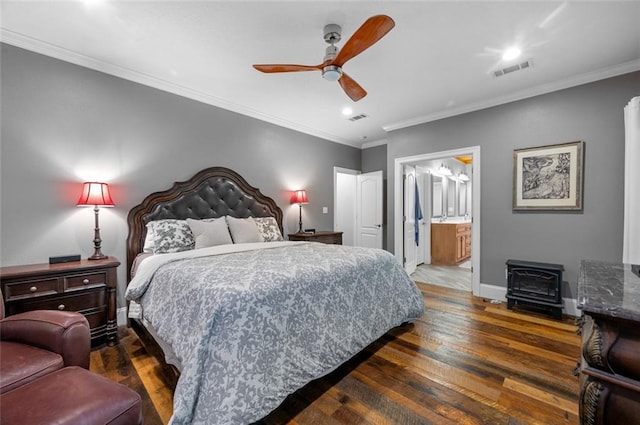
[
  {"x": 324, "y": 237},
  {"x": 85, "y": 286}
]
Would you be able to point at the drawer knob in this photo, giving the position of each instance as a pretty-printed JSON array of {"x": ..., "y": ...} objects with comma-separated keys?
[
  {"x": 33, "y": 288},
  {"x": 61, "y": 307},
  {"x": 85, "y": 281}
]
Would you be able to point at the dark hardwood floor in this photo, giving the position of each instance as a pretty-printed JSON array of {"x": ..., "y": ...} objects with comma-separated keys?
[{"x": 466, "y": 361}]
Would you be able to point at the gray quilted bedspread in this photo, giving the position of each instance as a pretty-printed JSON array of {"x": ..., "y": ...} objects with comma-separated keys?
[{"x": 252, "y": 327}]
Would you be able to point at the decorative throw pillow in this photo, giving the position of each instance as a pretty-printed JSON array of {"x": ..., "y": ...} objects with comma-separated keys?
[
  {"x": 243, "y": 230},
  {"x": 210, "y": 232},
  {"x": 268, "y": 227},
  {"x": 171, "y": 235}
]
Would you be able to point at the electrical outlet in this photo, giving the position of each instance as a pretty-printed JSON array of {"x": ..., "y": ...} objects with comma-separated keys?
[{"x": 325, "y": 210}]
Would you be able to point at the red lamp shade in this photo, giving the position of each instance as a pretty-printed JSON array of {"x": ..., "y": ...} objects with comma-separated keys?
[
  {"x": 95, "y": 194},
  {"x": 299, "y": 197}
]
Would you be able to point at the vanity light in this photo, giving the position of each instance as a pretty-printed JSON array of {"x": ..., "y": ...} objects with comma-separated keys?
[
  {"x": 444, "y": 170},
  {"x": 463, "y": 177}
]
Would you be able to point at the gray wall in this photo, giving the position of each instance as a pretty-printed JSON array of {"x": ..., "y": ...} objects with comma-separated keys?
[
  {"x": 591, "y": 112},
  {"x": 63, "y": 124},
  {"x": 375, "y": 159}
]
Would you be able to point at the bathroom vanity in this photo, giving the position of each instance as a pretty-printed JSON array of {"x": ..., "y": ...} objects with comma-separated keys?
[{"x": 450, "y": 242}]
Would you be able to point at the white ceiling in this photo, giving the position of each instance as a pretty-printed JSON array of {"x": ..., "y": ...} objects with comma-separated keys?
[{"x": 436, "y": 62}]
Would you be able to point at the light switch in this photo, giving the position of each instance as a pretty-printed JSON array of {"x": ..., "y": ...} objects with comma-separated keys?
[{"x": 325, "y": 210}]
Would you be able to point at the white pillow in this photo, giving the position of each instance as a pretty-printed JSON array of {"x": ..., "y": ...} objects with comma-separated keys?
[
  {"x": 243, "y": 230},
  {"x": 268, "y": 227},
  {"x": 210, "y": 232}
]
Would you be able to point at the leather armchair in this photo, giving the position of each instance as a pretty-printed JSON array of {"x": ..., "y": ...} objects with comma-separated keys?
[{"x": 36, "y": 343}]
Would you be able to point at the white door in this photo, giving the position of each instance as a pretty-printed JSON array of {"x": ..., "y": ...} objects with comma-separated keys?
[
  {"x": 409, "y": 219},
  {"x": 344, "y": 210},
  {"x": 369, "y": 209}
]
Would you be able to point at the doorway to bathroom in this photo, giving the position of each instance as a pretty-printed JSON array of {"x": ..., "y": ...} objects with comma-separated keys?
[{"x": 437, "y": 217}]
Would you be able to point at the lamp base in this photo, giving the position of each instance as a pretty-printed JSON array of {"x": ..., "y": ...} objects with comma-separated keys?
[
  {"x": 97, "y": 254},
  {"x": 300, "y": 221},
  {"x": 97, "y": 241},
  {"x": 97, "y": 257}
]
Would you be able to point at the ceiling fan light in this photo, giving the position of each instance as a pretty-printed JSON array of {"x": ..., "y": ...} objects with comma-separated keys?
[{"x": 331, "y": 73}]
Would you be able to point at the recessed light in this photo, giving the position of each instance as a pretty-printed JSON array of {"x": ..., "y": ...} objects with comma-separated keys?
[
  {"x": 511, "y": 53},
  {"x": 347, "y": 111}
]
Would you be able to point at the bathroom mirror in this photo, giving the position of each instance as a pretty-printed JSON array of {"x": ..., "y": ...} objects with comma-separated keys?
[
  {"x": 462, "y": 198},
  {"x": 451, "y": 197},
  {"x": 436, "y": 194}
]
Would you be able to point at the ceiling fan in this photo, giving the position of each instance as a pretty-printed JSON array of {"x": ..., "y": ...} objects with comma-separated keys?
[{"x": 367, "y": 35}]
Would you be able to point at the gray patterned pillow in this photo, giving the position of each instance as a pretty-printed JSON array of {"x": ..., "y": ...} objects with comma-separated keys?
[
  {"x": 268, "y": 227},
  {"x": 171, "y": 235}
]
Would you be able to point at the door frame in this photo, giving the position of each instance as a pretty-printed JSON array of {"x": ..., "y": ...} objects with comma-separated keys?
[{"x": 398, "y": 234}]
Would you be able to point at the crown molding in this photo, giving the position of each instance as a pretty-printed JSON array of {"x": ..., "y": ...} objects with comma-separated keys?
[
  {"x": 374, "y": 143},
  {"x": 577, "y": 80},
  {"x": 38, "y": 46}
]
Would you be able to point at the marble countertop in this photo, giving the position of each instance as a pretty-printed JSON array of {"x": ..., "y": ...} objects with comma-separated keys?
[
  {"x": 451, "y": 220},
  {"x": 610, "y": 289}
]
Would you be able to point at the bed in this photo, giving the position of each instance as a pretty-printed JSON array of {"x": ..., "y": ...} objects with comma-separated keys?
[{"x": 246, "y": 323}]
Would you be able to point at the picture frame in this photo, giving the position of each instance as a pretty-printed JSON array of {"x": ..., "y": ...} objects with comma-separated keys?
[{"x": 549, "y": 177}]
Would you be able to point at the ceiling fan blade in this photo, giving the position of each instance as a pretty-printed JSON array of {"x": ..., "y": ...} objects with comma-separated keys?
[
  {"x": 367, "y": 35},
  {"x": 351, "y": 88},
  {"x": 286, "y": 68}
]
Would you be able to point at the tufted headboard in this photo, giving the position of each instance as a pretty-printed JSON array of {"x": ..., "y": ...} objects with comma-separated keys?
[{"x": 211, "y": 193}]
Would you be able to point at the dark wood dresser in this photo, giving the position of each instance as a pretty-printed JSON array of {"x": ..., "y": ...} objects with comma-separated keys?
[
  {"x": 85, "y": 286},
  {"x": 609, "y": 296},
  {"x": 323, "y": 236}
]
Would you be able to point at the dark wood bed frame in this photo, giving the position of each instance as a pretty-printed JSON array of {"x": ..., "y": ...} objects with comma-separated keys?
[{"x": 211, "y": 193}]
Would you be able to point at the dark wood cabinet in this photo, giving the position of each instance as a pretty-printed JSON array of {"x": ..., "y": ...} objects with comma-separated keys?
[
  {"x": 324, "y": 237},
  {"x": 610, "y": 363},
  {"x": 86, "y": 286}
]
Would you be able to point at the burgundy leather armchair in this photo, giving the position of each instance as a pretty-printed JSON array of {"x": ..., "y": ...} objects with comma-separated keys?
[{"x": 36, "y": 343}]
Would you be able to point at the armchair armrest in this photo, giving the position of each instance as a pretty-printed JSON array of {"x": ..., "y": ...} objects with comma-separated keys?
[{"x": 63, "y": 332}]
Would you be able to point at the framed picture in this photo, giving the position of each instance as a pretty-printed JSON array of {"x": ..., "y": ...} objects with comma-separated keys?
[{"x": 548, "y": 177}]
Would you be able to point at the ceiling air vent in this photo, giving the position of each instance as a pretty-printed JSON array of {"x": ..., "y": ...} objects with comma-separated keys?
[
  {"x": 358, "y": 117},
  {"x": 508, "y": 70}
]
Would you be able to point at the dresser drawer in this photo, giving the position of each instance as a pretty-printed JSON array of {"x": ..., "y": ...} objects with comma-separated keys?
[
  {"x": 612, "y": 347},
  {"x": 30, "y": 288},
  {"x": 97, "y": 321},
  {"x": 84, "y": 281},
  {"x": 80, "y": 302}
]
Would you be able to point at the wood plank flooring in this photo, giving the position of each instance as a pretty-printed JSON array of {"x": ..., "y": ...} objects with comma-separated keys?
[{"x": 466, "y": 361}]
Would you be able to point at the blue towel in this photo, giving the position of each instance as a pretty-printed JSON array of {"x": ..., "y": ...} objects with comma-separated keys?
[{"x": 418, "y": 215}]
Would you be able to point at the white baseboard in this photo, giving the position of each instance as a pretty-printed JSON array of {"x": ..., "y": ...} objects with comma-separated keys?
[
  {"x": 121, "y": 316},
  {"x": 496, "y": 292}
]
